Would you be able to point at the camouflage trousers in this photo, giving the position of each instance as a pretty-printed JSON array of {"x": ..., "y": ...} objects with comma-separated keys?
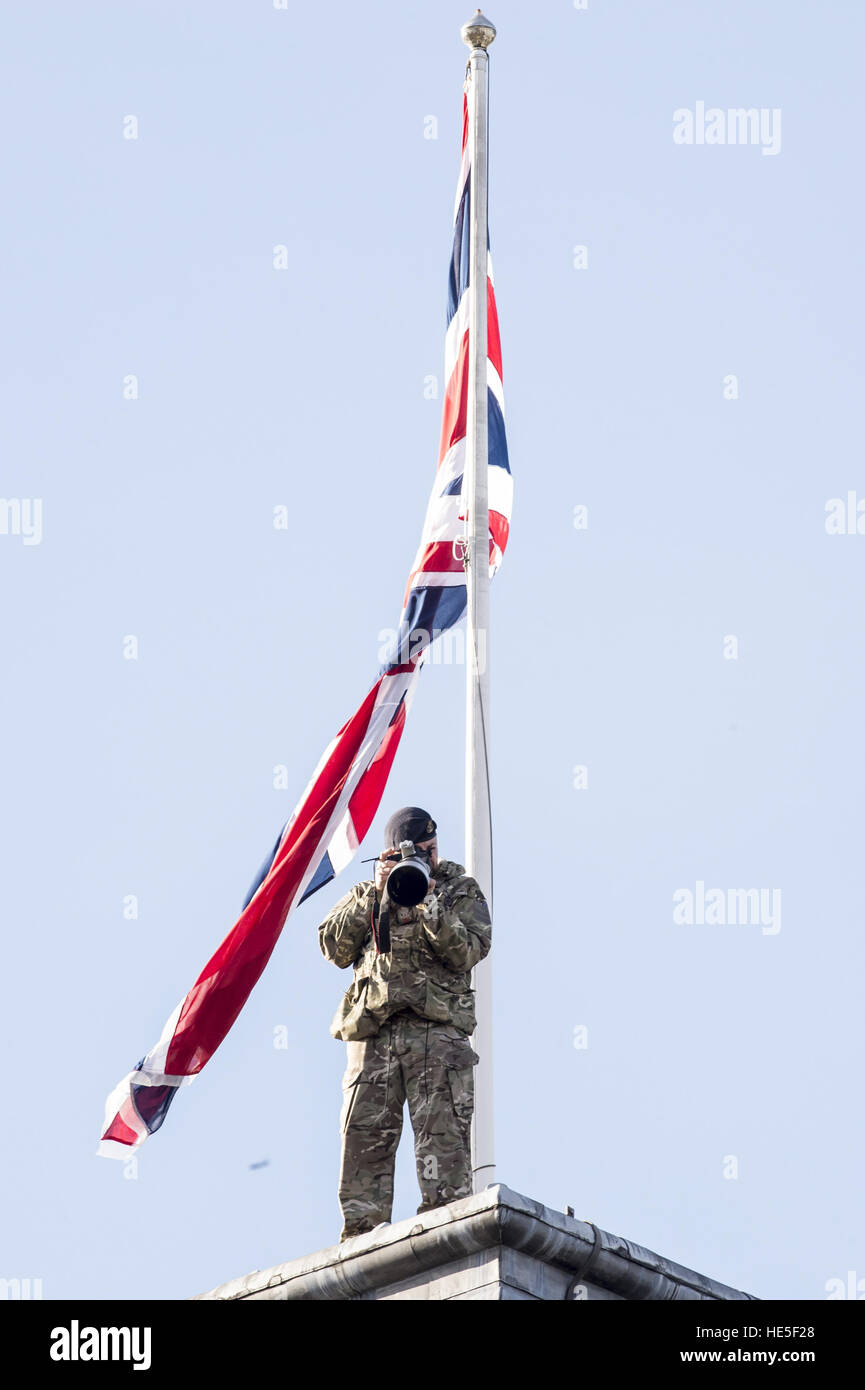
[{"x": 430, "y": 1065}]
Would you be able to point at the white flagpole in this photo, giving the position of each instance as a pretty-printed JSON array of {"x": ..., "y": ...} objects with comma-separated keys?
[{"x": 478, "y": 34}]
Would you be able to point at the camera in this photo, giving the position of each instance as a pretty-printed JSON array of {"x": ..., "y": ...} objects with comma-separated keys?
[{"x": 408, "y": 882}]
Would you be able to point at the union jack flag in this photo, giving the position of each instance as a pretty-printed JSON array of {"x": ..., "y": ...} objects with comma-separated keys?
[{"x": 342, "y": 797}]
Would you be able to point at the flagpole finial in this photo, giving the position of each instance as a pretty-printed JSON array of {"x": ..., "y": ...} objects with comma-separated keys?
[{"x": 479, "y": 32}]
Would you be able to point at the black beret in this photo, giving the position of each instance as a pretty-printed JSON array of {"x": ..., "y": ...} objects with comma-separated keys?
[{"x": 409, "y": 823}]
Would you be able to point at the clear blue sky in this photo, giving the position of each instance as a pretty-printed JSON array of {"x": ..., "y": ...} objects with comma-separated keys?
[{"x": 259, "y": 387}]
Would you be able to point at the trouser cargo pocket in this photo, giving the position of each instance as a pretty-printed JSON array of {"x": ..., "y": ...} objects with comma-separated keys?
[
  {"x": 461, "y": 1081},
  {"x": 349, "y": 1101}
]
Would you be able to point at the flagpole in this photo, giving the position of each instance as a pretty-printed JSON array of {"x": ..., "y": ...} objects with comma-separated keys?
[{"x": 478, "y": 34}]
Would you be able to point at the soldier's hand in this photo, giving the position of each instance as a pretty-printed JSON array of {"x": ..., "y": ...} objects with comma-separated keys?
[{"x": 383, "y": 866}]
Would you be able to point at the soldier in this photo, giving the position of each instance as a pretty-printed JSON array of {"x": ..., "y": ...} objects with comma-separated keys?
[{"x": 407, "y": 1019}]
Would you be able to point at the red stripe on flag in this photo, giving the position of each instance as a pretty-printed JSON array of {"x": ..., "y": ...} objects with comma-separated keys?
[
  {"x": 456, "y": 395},
  {"x": 499, "y": 529},
  {"x": 437, "y": 558},
  {"x": 365, "y": 799},
  {"x": 228, "y": 978},
  {"x": 494, "y": 346},
  {"x": 118, "y": 1130}
]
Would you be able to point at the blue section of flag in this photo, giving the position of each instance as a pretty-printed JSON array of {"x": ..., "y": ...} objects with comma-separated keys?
[
  {"x": 497, "y": 442},
  {"x": 431, "y": 609},
  {"x": 152, "y": 1104},
  {"x": 323, "y": 874},
  {"x": 264, "y": 870},
  {"x": 458, "y": 272}
]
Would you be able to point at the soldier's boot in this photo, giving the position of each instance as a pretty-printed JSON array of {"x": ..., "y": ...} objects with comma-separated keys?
[
  {"x": 453, "y": 1183},
  {"x": 348, "y": 1230}
]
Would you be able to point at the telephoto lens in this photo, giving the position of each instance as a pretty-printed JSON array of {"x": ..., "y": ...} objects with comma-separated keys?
[{"x": 408, "y": 881}]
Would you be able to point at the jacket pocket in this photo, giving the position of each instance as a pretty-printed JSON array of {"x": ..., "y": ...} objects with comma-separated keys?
[
  {"x": 438, "y": 1005},
  {"x": 351, "y": 1021}
]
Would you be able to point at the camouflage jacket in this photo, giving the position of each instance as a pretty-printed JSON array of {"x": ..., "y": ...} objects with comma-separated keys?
[{"x": 428, "y": 967}]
